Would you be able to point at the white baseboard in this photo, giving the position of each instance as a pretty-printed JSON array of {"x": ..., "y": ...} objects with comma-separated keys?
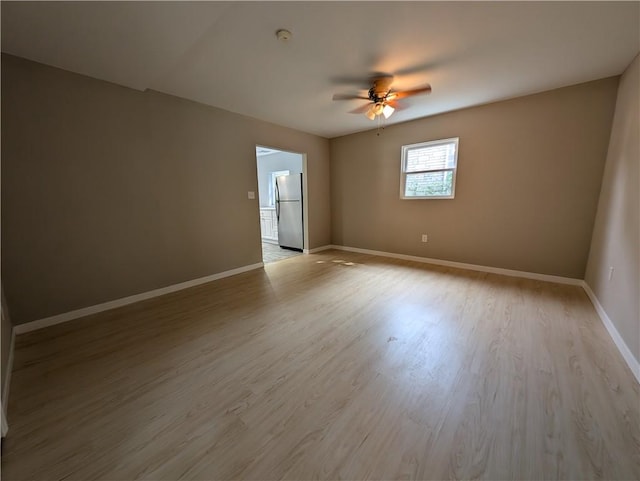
[
  {"x": 471, "y": 267},
  {"x": 86, "y": 311},
  {"x": 317, "y": 249},
  {"x": 631, "y": 361},
  {"x": 5, "y": 425},
  {"x": 7, "y": 380}
]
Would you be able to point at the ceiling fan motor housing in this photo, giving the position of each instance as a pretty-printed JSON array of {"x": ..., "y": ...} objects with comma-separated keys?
[
  {"x": 380, "y": 89},
  {"x": 376, "y": 96}
]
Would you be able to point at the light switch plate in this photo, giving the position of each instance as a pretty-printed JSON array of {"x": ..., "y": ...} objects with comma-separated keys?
[{"x": 251, "y": 195}]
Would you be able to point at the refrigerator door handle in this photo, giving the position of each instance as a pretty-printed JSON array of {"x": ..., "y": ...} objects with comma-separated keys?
[{"x": 277, "y": 192}]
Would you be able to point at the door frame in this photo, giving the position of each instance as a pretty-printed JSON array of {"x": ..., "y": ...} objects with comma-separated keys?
[{"x": 305, "y": 192}]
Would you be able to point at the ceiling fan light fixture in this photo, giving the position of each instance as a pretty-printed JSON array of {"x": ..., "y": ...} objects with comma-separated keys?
[
  {"x": 370, "y": 114},
  {"x": 387, "y": 110},
  {"x": 378, "y": 109}
]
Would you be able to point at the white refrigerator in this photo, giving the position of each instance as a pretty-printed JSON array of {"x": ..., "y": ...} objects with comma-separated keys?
[{"x": 289, "y": 200}]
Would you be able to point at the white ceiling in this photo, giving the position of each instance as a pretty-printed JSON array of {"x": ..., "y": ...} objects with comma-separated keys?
[{"x": 226, "y": 54}]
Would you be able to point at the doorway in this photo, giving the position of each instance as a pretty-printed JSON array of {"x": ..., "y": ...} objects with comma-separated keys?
[{"x": 282, "y": 220}]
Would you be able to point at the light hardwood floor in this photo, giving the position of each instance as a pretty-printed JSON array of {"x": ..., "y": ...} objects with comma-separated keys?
[{"x": 329, "y": 366}]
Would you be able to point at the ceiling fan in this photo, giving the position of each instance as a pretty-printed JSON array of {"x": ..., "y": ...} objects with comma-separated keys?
[{"x": 382, "y": 100}]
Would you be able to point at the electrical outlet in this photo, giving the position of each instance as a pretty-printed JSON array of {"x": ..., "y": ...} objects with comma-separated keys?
[
  {"x": 425, "y": 237},
  {"x": 251, "y": 195},
  {"x": 610, "y": 273}
]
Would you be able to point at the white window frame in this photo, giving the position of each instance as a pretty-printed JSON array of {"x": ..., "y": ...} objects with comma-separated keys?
[{"x": 403, "y": 168}]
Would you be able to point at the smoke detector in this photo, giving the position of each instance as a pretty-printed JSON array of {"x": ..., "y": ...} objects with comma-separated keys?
[{"x": 284, "y": 35}]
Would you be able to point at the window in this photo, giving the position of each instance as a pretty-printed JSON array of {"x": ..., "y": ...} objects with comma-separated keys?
[
  {"x": 428, "y": 170},
  {"x": 272, "y": 185}
]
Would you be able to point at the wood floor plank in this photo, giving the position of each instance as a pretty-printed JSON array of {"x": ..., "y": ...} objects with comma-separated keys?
[{"x": 329, "y": 366}]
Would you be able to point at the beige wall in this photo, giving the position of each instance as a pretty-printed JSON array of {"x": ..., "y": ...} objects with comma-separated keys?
[
  {"x": 108, "y": 192},
  {"x": 529, "y": 173},
  {"x": 616, "y": 235}
]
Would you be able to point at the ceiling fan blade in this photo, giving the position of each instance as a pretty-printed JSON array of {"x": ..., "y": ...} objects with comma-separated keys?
[
  {"x": 361, "y": 110},
  {"x": 396, "y": 105},
  {"x": 409, "y": 93},
  {"x": 349, "y": 97}
]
